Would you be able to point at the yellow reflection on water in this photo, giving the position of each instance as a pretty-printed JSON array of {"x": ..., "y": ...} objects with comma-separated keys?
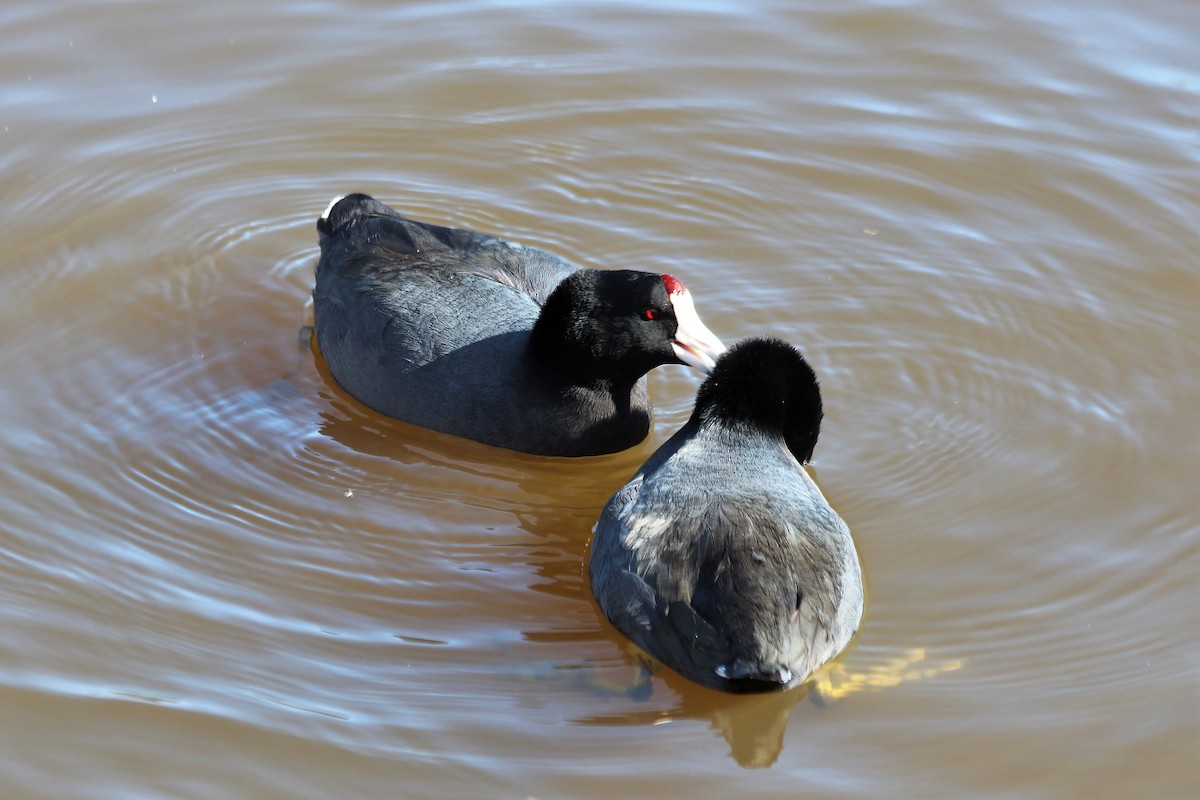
[{"x": 836, "y": 681}]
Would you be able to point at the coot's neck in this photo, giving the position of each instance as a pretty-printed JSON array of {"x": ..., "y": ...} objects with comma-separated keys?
[
  {"x": 565, "y": 344},
  {"x": 795, "y": 422},
  {"x": 603, "y": 393},
  {"x": 571, "y": 368}
]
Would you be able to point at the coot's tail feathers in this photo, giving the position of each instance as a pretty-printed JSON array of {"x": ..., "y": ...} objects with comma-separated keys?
[
  {"x": 697, "y": 649},
  {"x": 343, "y": 210},
  {"x": 387, "y": 232}
]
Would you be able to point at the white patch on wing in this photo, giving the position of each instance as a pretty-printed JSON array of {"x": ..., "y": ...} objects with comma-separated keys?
[{"x": 644, "y": 531}]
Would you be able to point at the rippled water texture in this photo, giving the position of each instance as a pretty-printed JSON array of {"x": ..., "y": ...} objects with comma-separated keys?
[{"x": 222, "y": 577}]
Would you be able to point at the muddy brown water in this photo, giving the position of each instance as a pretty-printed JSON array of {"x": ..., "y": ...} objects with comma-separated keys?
[{"x": 222, "y": 577}]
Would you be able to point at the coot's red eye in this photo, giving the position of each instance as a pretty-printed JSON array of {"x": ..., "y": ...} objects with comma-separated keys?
[{"x": 651, "y": 313}]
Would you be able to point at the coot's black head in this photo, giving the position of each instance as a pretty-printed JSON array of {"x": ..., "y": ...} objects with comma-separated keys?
[
  {"x": 620, "y": 324},
  {"x": 766, "y": 385}
]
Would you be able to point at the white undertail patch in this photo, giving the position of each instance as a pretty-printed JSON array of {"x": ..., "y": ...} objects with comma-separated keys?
[{"x": 329, "y": 208}]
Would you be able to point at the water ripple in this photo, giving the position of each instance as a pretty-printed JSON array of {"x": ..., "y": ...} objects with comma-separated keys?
[{"x": 978, "y": 225}]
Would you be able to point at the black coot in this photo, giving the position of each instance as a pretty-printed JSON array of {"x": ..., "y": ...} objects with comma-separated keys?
[
  {"x": 721, "y": 558},
  {"x": 487, "y": 339}
]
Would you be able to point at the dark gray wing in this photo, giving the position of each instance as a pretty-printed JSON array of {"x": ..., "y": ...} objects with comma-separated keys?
[{"x": 362, "y": 233}]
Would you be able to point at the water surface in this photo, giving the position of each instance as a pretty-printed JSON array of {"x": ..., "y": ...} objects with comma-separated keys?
[{"x": 222, "y": 577}]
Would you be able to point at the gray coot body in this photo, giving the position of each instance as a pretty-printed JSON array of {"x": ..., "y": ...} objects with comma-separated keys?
[
  {"x": 721, "y": 558},
  {"x": 491, "y": 340}
]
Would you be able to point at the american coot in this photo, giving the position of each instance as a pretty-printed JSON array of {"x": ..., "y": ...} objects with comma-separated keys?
[
  {"x": 721, "y": 558},
  {"x": 491, "y": 340}
]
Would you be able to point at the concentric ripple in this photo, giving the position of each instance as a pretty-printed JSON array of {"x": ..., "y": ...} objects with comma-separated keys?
[{"x": 222, "y": 576}]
